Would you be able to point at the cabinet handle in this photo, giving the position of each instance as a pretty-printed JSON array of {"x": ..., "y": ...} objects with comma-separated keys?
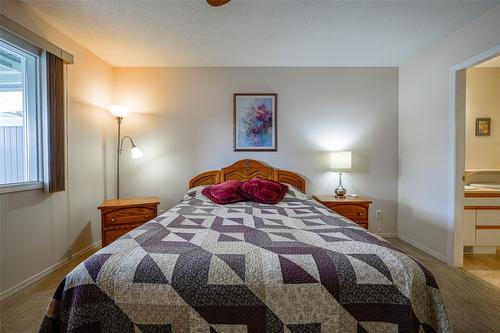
[
  {"x": 360, "y": 214},
  {"x": 113, "y": 219}
]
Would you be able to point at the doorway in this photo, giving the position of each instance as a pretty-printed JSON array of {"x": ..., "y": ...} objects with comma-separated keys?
[
  {"x": 481, "y": 223},
  {"x": 476, "y": 176}
]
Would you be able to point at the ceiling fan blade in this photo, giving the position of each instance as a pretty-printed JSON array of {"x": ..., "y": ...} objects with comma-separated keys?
[{"x": 217, "y": 3}]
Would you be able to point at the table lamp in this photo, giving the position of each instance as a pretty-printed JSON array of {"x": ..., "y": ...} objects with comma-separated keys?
[{"x": 340, "y": 162}]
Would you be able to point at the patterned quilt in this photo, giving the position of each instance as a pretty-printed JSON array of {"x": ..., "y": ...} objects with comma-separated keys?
[{"x": 248, "y": 267}]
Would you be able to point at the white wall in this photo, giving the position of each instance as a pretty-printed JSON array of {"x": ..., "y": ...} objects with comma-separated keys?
[
  {"x": 482, "y": 101},
  {"x": 425, "y": 149},
  {"x": 184, "y": 125},
  {"x": 37, "y": 229}
]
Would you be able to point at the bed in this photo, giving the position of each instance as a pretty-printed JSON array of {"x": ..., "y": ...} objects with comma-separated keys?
[{"x": 248, "y": 267}]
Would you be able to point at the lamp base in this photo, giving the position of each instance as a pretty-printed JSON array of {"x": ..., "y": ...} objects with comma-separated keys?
[{"x": 340, "y": 192}]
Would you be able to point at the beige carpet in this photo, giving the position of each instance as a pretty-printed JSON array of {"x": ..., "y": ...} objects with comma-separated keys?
[
  {"x": 473, "y": 304},
  {"x": 24, "y": 311}
]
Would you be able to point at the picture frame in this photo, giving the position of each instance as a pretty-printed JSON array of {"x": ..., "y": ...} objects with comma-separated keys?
[
  {"x": 255, "y": 122},
  {"x": 483, "y": 126}
]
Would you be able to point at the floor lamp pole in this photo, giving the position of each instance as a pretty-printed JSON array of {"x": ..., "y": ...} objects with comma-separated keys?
[{"x": 118, "y": 152}]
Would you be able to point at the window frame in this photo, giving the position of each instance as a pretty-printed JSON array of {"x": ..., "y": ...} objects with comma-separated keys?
[{"x": 34, "y": 118}]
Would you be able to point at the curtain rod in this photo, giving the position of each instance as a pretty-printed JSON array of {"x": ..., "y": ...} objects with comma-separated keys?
[{"x": 33, "y": 38}]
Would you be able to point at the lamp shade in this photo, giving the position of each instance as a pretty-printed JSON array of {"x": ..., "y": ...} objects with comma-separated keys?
[
  {"x": 119, "y": 110},
  {"x": 341, "y": 161},
  {"x": 136, "y": 152}
]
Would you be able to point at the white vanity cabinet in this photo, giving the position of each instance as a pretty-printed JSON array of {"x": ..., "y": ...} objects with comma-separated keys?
[{"x": 481, "y": 228}]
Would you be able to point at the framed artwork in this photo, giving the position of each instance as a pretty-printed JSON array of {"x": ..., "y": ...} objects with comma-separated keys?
[
  {"x": 483, "y": 126},
  {"x": 255, "y": 124}
]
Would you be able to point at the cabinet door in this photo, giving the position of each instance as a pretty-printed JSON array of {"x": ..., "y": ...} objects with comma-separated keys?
[
  {"x": 488, "y": 237},
  {"x": 488, "y": 217},
  {"x": 469, "y": 227}
]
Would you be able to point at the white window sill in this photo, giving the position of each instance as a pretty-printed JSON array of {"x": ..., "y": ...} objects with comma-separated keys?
[{"x": 17, "y": 187}]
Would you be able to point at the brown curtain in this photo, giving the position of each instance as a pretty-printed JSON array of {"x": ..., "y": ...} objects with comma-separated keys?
[{"x": 55, "y": 99}]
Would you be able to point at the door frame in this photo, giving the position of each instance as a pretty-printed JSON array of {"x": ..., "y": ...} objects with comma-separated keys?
[{"x": 457, "y": 76}]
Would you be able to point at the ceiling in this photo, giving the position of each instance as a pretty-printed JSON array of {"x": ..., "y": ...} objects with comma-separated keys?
[
  {"x": 494, "y": 62},
  {"x": 258, "y": 33}
]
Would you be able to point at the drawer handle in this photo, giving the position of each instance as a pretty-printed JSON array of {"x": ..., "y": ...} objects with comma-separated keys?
[
  {"x": 113, "y": 219},
  {"x": 360, "y": 214}
]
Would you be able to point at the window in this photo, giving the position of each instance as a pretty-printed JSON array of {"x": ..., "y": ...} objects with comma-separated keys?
[{"x": 20, "y": 121}]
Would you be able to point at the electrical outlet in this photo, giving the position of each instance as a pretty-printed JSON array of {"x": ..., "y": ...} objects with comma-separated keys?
[{"x": 379, "y": 214}]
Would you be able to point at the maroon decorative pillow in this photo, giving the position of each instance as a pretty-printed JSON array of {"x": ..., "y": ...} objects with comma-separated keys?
[
  {"x": 263, "y": 190},
  {"x": 224, "y": 193}
]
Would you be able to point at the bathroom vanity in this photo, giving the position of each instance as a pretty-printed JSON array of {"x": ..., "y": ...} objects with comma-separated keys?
[{"x": 481, "y": 218}]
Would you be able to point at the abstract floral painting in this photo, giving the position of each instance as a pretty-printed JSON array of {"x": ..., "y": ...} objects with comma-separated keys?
[{"x": 255, "y": 122}]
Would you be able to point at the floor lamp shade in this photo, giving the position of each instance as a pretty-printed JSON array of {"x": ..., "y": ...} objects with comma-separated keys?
[{"x": 119, "y": 111}]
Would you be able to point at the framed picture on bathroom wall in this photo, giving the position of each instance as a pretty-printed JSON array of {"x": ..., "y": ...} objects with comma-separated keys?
[{"x": 483, "y": 126}]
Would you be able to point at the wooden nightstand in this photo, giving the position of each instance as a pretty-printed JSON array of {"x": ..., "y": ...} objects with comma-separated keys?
[
  {"x": 119, "y": 216},
  {"x": 355, "y": 209}
]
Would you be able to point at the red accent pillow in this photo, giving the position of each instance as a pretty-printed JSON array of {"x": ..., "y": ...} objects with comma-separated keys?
[
  {"x": 224, "y": 193},
  {"x": 264, "y": 190}
]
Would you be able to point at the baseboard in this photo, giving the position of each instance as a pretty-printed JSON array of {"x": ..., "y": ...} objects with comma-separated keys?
[
  {"x": 95, "y": 246},
  {"x": 386, "y": 234},
  {"x": 29, "y": 281},
  {"x": 419, "y": 246}
]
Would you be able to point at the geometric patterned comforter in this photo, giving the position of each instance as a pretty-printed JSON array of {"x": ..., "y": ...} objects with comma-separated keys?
[{"x": 248, "y": 267}]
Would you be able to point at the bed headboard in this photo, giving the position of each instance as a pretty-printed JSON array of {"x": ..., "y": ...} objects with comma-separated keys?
[{"x": 244, "y": 170}]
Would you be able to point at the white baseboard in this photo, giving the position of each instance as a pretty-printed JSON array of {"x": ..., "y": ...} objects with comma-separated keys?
[
  {"x": 95, "y": 246},
  {"x": 419, "y": 246},
  {"x": 386, "y": 234},
  {"x": 29, "y": 281}
]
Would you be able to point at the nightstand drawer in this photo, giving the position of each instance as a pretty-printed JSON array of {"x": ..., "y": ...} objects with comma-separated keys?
[
  {"x": 111, "y": 235},
  {"x": 129, "y": 216},
  {"x": 355, "y": 209},
  {"x": 352, "y": 212}
]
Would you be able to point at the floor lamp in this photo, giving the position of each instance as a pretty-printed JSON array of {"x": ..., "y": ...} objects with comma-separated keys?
[{"x": 120, "y": 112}]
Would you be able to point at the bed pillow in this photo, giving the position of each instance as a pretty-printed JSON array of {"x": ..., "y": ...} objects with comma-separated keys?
[
  {"x": 224, "y": 193},
  {"x": 264, "y": 190}
]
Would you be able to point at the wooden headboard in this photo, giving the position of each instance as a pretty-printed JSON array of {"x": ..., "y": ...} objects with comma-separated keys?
[{"x": 247, "y": 169}]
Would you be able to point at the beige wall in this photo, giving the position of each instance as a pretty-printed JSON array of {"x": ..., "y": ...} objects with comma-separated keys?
[
  {"x": 184, "y": 125},
  {"x": 37, "y": 229},
  {"x": 482, "y": 101},
  {"x": 425, "y": 128}
]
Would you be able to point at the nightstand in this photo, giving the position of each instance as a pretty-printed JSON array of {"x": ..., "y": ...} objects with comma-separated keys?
[
  {"x": 119, "y": 216},
  {"x": 355, "y": 209}
]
